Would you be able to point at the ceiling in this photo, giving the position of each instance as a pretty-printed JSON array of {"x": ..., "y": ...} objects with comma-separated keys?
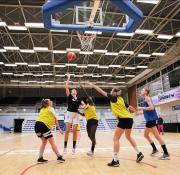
[{"x": 48, "y": 67}]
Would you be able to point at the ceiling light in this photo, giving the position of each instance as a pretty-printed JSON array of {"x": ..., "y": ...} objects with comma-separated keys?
[
  {"x": 158, "y": 54},
  {"x": 130, "y": 68},
  {"x": 28, "y": 73},
  {"x": 126, "y": 52},
  {"x": 103, "y": 67},
  {"x": 96, "y": 76},
  {"x": 59, "y": 75},
  {"x": 142, "y": 67},
  {"x": 112, "y": 53},
  {"x": 2, "y": 50},
  {"x": 14, "y": 81},
  {"x": 115, "y": 66},
  {"x": 41, "y": 82},
  {"x": 40, "y": 49},
  {"x": 59, "y": 51},
  {"x": 100, "y": 51},
  {"x": 178, "y": 34},
  {"x": 7, "y": 73},
  {"x": 107, "y": 75},
  {"x": 44, "y": 64},
  {"x": 59, "y": 65},
  {"x": 121, "y": 82},
  {"x": 130, "y": 75},
  {"x": 125, "y": 34},
  {"x": 93, "y": 65},
  {"x": 162, "y": 36},
  {"x": 33, "y": 65},
  {"x": 78, "y": 76},
  {"x": 2, "y": 23},
  {"x": 88, "y": 75},
  {"x": 1, "y": 63},
  {"x": 11, "y": 48},
  {"x": 72, "y": 50},
  {"x": 144, "y": 55},
  {"x": 143, "y": 31},
  {"x": 149, "y": 1},
  {"x": 27, "y": 51},
  {"x": 81, "y": 66},
  {"x": 34, "y": 25},
  {"x": 85, "y": 52},
  {"x": 21, "y": 28},
  {"x": 21, "y": 63},
  {"x": 10, "y": 65},
  {"x": 120, "y": 76},
  {"x": 18, "y": 75},
  {"x": 70, "y": 64}
]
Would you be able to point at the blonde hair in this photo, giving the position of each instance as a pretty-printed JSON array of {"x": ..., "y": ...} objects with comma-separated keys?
[{"x": 44, "y": 103}]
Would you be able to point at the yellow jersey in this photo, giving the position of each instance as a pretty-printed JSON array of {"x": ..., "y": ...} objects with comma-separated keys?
[
  {"x": 90, "y": 112},
  {"x": 119, "y": 109},
  {"x": 47, "y": 116}
]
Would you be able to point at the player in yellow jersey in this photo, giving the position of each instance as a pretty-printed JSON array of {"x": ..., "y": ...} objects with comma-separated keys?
[
  {"x": 91, "y": 118},
  {"x": 44, "y": 123},
  {"x": 121, "y": 111}
]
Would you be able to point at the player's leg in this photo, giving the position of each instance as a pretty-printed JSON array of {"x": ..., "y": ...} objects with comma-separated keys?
[
  {"x": 41, "y": 151},
  {"x": 74, "y": 137},
  {"x": 133, "y": 143},
  {"x": 155, "y": 132},
  {"x": 66, "y": 136}
]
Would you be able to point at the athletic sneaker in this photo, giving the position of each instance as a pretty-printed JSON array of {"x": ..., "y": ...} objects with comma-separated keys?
[
  {"x": 60, "y": 159},
  {"x": 154, "y": 152},
  {"x": 41, "y": 160},
  {"x": 165, "y": 157},
  {"x": 140, "y": 156},
  {"x": 73, "y": 151},
  {"x": 114, "y": 163},
  {"x": 90, "y": 153},
  {"x": 65, "y": 151}
]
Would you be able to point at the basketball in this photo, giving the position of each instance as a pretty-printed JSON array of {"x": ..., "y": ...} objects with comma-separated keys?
[{"x": 71, "y": 56}]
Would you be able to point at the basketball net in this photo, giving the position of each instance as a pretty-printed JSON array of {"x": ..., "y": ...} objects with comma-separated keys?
[{"x": 87, "y": 39}]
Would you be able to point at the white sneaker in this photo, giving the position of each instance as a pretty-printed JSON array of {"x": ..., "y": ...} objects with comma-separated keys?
[
  {"x": 165, "y": 157},
  {"x": 73, "y": 151},
  {"x": 90, "y": 153},
  {"x": 65, "y": 151}
]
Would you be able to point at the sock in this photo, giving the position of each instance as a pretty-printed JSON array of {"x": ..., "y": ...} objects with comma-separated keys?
[
  {"x": 65, "y": 144},
  {"x": 153, "y": 146},
  {"x": 164, "y": 149},
  {"x": 137, "y": 150},
  {"x": 116, "y": 156},
  {"x": 40, "y": 156},
  {"x": 92, "y": 148},
  {"x": 74, "y": 144},
  {"x": 58, "y": 155}
]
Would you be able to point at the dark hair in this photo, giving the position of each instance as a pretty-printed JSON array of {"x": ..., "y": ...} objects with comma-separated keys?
[
  {"x": 88, "y": 100},
  {"x": 44, "y": 103},
  {"x": 147, "y": 91},
  {"x": 117, "y": 91}
]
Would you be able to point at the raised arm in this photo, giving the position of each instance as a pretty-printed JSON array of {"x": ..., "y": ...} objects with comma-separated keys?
[
  {"x": 67, "y": 85},
  {"x": 86, "y": 94},
  {"x": 97, "y": 88}
]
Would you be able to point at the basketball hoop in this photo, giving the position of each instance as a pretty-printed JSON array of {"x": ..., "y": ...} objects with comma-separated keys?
[{"x": 86, "y": 40}]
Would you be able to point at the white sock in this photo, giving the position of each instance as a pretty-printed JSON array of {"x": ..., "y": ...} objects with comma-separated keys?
[
  {"x": 116, "y": 156},
  {"x": 137, "y": 150}
]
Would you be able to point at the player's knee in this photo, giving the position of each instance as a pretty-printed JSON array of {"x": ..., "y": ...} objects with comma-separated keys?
[{"x": 146, "y": 135}]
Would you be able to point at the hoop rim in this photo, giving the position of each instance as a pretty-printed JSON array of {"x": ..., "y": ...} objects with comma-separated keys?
[{"x": 85, "y": 35}]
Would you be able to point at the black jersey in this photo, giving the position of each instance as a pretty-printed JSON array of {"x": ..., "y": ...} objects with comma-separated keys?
[{"x": 73, "y": 103}]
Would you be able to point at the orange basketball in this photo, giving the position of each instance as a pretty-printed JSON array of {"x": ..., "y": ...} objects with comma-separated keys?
[{"x": 71, "y": 56}]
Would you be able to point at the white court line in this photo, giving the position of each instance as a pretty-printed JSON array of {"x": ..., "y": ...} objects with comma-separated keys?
[{"x": 79, "y": 150}]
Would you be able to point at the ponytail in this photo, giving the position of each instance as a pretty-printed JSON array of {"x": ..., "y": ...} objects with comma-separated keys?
[{"x": 44, "y": 103}]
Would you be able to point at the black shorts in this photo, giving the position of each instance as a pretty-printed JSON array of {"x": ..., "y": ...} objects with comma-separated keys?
[
  {"x": 125, "y": 123},
  {"x": 150, "y": 124},
  {"x": 91, "y": 122},
  {"x": 42, "y": 130}
]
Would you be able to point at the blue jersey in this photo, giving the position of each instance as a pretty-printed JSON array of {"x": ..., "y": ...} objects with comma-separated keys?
[{"x": 149, "y": 115}]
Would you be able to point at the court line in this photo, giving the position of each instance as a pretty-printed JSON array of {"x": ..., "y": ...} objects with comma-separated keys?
[
  {"x": 34, "y": 165},
  {"x": 6, "y": 152}
]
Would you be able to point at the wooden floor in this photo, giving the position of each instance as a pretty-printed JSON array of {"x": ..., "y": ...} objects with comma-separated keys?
[{"x": 18, "y": 154}]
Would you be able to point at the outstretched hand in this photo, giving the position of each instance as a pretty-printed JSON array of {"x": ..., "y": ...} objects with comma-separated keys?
[{"x": 68, "y": 76}]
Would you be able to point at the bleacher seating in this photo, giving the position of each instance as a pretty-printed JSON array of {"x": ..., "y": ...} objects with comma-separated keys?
[{"x": 112, "y": 123}]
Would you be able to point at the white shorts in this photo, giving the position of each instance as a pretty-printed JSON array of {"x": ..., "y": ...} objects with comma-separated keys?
[{"x": 72, "y": 117}]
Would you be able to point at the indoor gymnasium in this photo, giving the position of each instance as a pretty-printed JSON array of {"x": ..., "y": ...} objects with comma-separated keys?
[{"x": 90, "y": 87}]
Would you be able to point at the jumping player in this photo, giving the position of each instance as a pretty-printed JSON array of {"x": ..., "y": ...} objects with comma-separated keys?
[
  {"x": 44, "y": 123},
  {"x": 72, "y": 116},
  {"x": 151, "y": 117},
  {"x": 121, "y": 111},
  {"x": 91, "y": 118}
]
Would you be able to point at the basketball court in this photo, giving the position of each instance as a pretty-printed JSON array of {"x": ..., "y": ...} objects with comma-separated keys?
[{"x": 126, "y": 44}]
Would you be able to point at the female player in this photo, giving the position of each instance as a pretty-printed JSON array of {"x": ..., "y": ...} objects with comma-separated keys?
[
  {"x": 44, "y": 123},
  {"x": 151, "y": 117},
  {"x": 121, "y": 112},
  {"x": 160, "y": 125},
  {"x": 91, "y": 118},
  {"x": 72, "y": 116}
]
